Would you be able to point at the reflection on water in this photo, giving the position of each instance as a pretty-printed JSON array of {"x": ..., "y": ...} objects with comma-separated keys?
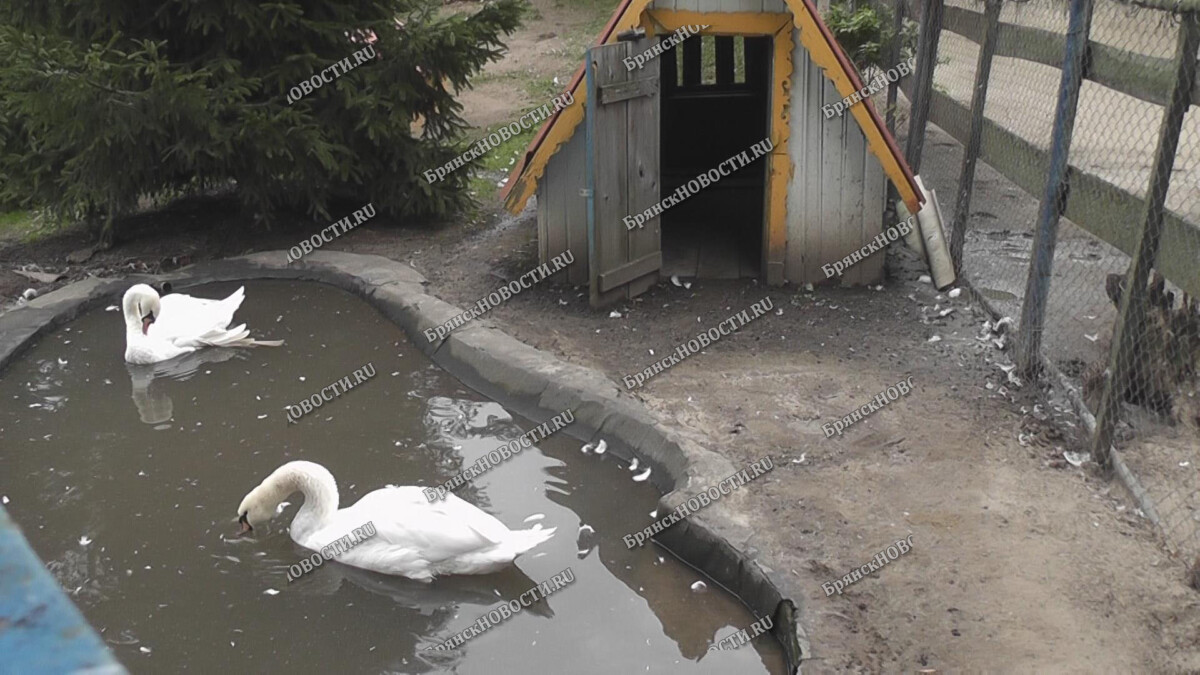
[
  {"x": 153, "y": 403},
  {"x": 133, "y": 507}
]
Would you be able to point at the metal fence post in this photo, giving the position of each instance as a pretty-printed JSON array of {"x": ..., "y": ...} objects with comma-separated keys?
[
  {"x": 983, "y": 70},
  {"x": 1133, "y": 300},
  {"x": 927, "y": 48},
  {"x": 1054, "y": 199}
]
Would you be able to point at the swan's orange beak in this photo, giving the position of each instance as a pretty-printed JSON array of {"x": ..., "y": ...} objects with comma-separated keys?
[
  {"x": 246, "y": 527},
  {"x": 146, "y": 321}
]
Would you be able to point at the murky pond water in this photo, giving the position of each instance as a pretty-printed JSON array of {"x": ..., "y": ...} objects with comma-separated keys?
[{"x": 126, "y": 481}]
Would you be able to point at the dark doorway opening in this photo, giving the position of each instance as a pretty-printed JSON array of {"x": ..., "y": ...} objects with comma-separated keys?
[{"x": 715, "y": 92}]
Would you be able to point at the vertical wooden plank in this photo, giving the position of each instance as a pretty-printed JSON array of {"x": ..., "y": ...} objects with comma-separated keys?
[
  {"x": 983, "y": 69},
  {"x": 687, "y": 5},
  {"x": 742, "y": 6},
  {"x": 708, "y": 5},
  {"x": 589, "y": 111},
  {"x": 611, "y": 173},
  {"x": 691, "y": 61},
  {"x": 833, "y": 137},
  {"x": 874, "y": 199},
  {"x": 774, "y": 6},
  {"x": 780, "y": 168},
  {"x": 543, "y": 237},
  {"x": 552, "y": 187},
  {"x": 724, "y": 47},
  {"x": 853, "y": 182},
  {"x": 575, "y": 157},
  {"x": 643, "y": 167},
  {"x": 815, "y": 250},
  {"x": 797, "y": 228}
]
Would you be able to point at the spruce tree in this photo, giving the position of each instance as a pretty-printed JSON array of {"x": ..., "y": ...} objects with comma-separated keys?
[{"x": 106, "y": 101}]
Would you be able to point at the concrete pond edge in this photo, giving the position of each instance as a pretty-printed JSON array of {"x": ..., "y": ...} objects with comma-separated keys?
[{"x": 531, "y": 382}]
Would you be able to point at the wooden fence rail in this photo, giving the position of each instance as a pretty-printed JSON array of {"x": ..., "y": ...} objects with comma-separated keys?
[
  {"x": 1145, "y": 77},
  {"x": 1103, "y": 209}
]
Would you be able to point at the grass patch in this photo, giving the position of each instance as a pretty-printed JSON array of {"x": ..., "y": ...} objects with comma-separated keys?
[
  {"x": 19, "y": 226},
  {"x": 597, "y": 11},
  {"x": 499, "y": 161}
]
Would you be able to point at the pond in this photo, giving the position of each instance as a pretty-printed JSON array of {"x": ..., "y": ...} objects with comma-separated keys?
[{"x": 126, "y": 480}]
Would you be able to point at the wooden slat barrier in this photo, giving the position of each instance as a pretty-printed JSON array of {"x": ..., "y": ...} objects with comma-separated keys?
[
  {"x": 1096, "y": 205},
  {"x": 1145, "y": 77}
]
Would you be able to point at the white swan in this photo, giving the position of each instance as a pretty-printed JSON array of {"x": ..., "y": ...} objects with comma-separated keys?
[
  {"x": 161, "y": 328},
  {"x": 414, "y": 538}
]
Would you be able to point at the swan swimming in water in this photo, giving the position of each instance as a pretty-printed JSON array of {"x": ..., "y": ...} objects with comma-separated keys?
[
  {"x": 414, "y": 538},
  {"x": 159, "y": 328}
]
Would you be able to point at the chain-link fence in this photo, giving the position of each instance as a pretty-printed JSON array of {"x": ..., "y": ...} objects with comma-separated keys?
[{"x": 1092, "y": 108}]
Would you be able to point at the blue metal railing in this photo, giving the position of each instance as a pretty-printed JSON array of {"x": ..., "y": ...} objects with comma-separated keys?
[{"x": 41, "y": 631}]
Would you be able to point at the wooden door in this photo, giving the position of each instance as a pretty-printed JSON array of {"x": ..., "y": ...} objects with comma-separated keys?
[{"x": 622, "y": 172}]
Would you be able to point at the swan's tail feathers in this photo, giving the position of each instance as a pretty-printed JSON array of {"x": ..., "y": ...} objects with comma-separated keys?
[
  {"x": 225, "y": 309},
  {"x": 522, "y": 541},
  {"x": 251, "y": 342},
  {"x": 238, "y": 336},
  {"x": 234, "y": 301}
]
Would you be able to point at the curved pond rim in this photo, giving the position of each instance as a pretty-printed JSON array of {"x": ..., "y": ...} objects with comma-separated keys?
[{"x": 528, "y": 381}]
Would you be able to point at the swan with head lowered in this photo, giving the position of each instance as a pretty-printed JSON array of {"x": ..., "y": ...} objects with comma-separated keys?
[
  {"x": 414, "y": 537},
  {"x": 159, "y": 328}
]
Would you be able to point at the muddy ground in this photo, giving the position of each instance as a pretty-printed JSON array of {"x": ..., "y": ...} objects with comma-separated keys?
[{"x": 1019, "y": 562}]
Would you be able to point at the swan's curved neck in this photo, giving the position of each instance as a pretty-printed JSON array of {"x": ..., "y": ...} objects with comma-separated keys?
[
  {"x": 133, "y": 325},
  {"x": 129, "y": 308},
  {"x": 319, "y": 489}
]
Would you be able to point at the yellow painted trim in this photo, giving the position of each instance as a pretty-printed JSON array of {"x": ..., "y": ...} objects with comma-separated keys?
[
  {"x": 780, "y": 170},
  {"x": 736, "y": 23},
  {"x": 721, "y": 23},
  {"x": 564, "y": 127},
  {"x": 822, "y": 54}
]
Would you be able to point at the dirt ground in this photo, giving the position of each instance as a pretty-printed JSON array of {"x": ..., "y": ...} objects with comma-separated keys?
[{"x": 1019, "y": 561}]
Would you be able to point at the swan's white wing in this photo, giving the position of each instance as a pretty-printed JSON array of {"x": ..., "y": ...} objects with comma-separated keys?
[
  {"x": 449, "y": 528},
  {"x": 187, "y": 320},
  {"x": 405, "y": 519}
]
